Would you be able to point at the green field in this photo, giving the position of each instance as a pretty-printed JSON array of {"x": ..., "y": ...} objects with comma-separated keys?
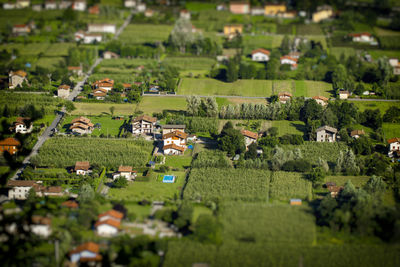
[
  {"x": 151, "y": 104},
  {"x": 287, "y": 185},
  {"x": 108, "y": 125},
  {"x": 190, "y": 63},
  {"x": 259, "y": 88},
  {"x": 357, "y": 181},
  {"x": 307, "y": 29},
  {"x": 50, "y": 62},
  {"x": 261, "y": 41},
  {"x": 376, "y": 54},
  {"x": 391, "y": 130},
  {"x": 154, "y": 189},
  {"x": 382, "y": 106},
  {"x": 145, "y": 33},
  {"x": 338, "y": 51},
  {"x": 103, "y": 108}
]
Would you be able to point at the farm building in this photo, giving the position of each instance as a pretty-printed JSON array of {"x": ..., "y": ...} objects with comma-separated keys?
[
  {"x": 260, "y": 55},
  {"x": 326, "y": 134},
  {"x": 357, "y": 133},
  {"x": 106, "y": 84},
  {"x": 41, "y": 226},
  {"x": 9, "y": 6},
  {"x": 364, "y": 37},
  {"x": 173, "y": 149},
  {"x": 284, "y": 97},
  {"x": 394, "y": 62},
  {"x": 334, "y": 190},
  {"x": 257, "y": 11},
  {"x": 23, "y": 4},
  {"x": 21, "y": 29},
  {"x": 88, "y": 38},
  {"x": 64, "y": 4},
  {"x": 249, "y": 137},
  {"x": 239, "y": 7},
  {"x": 81, "y": 125},
  {"x": 274, "y": 9},
  {"x": 289, "y": 60},
  {"x": 344, "y": 94},
  {"x": 321, "y": 100},
  {"x": 99, "y": 94},
  {"x": 22, "y": 125},
  {"x": 16, "y": 79},
  {"x": 87, "y": 253},
  {"x": 322, "y": 13},
  {"x": 394, "y": 145},
  {"x": 110, "y": 55},
  {"x": 141, "y": 7},
  {"x": 82, "y": 167},
  {"x": 125, "y": 171},
  {"x": 108, "y": 223},
  {"x": 173, "y": 127},
  {"x": 19, "y": 189},
  {"x": 149, "y": 13},
  {"x": 143, "y": 124},
  {"x": 9, "y": 144},
  {"x": 63, "y": 91},
  {"x": 77, "y": 70},
  {"x": 232, "y": 30}
]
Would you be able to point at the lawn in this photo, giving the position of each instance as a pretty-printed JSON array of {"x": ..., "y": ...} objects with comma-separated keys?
[
  {"x": 259, "y": 88},
  {"x": 151, "y": 104},
  {"x": 338, "y": 51},
  {"x": 145, "y": 33},
  {"x": 190, "y": 63},
  {"x": 382, "y": 106},
  {"x": 376, "y": 54},
  {"x": 103, "y": 109},
  {"x": 288, "y": 127},
  {"x": 152, "y": 190},
  {"x": 108, "y": 125},
  {"x": 391, "y": 130},
  {"x": 261, "y": 41},
  {"x": 50, "y": 62},
  {"x": 178, "y": 162},
  {"x": 59, "y": 49},
  {"x": 357, "y": 181}
]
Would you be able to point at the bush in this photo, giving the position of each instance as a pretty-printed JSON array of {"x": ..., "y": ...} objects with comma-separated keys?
[{"x": 300, "y": 165}]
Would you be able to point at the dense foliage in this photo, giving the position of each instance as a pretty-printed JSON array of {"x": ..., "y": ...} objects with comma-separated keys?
[{"x": 287, "y": 185}]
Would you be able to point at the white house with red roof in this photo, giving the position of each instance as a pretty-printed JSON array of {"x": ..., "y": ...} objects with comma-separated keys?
[
  {"x": 288, "y": 60},
  {"x": 184, "y": 14},
  {"x": 79, "y": 5},
  {"x": 394, "y": 145},
  {"x": 41, "y": 226},
  {"x": 174, "y": 143},
  {"x": 364, "y": 37},
  {"x": 86, "y": 253},
  {"x": 102, "y": 28},
  {"x": 125, "y": 171},
  {"x": 108, "y": 223},
  {"x": 249, "y": 137},
  {"x": 260, "y": 55}
]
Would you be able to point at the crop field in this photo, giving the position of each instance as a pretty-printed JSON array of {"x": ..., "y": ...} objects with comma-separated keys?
[
  {"x": 391, "y": 130},
  {"x": 145, "y": 33},
  {"x": 307, "y": 29},
  {"x": 58, "y": 50},
  {"x": 151, "y": 104},
  {"x": 271, "y": 224},
  {"x": 376, "y": 54},
  {"x": 118, "y": 77},
  {"x": 211, "y": 158},
  {"x": 126, "y": 62},
  {"x": 261, "y": 41},
  {"x": 103, "y": 109},
  {"x": 385, "y": 32},
  {"x": 63, "y": 152},
  {"x": 108, "y": 125},
  {"x": 227, "y": 184},
  {"x": 154, "y": 189},
  {"x": 50, "y": 62},
  {"x": 287, "y": 185},
  {"x": 190, "y": 63},
  {"x": 346, "y": 51},
  {"x": 212, "y": 20},
  {"x": 199, "y": 6},
  {"x": 18, "y": 100},
  {"x": 260, "y": 88},
  {"x": 382, "y": 106},
  {"x": 32, "y": 49},
  {"x": 357, "y": 181},
  {"x": 314, "y": 150},
  {"x": 288, "y": 127}
]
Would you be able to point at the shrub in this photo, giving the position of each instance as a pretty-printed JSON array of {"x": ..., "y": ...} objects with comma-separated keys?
[{"x": 300, "y": 165}]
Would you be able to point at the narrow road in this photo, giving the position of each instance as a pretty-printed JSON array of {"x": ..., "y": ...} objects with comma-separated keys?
[{"x": 75, "y": 92}]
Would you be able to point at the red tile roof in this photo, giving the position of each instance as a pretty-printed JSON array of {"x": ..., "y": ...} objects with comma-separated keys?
[
  {"x": 89, "y": 246},
  {"x": 36, "y": 219},
  {"x": 290, "y": 58},
  {"x": 110, "y": 222},
  {"x": 173, "y": 146},
  {"x": 112, "y": 213},
  {"x": 10, "y": 142},
  {"x": 70, "y": 204},
  {"x": 250, "y": 134},
  {"x": 177, "y": 133},
  {"x": 323, "y": 98},
  {"x": 261, "y": 50},
  {"x": 145, "y": 118},
  {"x": 125, "y": 169},
  {"x": 20, "y": 73},
  {"x": 82, "y": 165},
  {"x": 357, "y": 132},
  {"x": 23, "y": 183},
  {"x": 64, "y": 87},
  {"x": 284, "y": 94},
  {"x": 393, "y": 140}
]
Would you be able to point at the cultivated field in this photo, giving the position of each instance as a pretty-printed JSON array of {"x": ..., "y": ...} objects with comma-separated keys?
[
  {"x": 103, "y": 109},
  {"x": 151, "y": 104},
  {"x": 190, "y": 63},
  {"x": 145, "y": 33},
  {"x": 287, "y": 185}
]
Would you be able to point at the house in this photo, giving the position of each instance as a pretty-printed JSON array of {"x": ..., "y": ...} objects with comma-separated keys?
[
  {"x": 287, "y": 15},
  {"x": 125, "y": 171},
  {"x": 284, "y": 97},
  {"x": 344, "y": 94},
  {"x": 239, "y": 7},
  {"x": 19, "y": 189},
  {"x": 257, "y": 11},
  {"x": 41, "y": 226},
  {"x": 16, "y": 79},
  {"x": 130, "y": 3},
  {"x": 110, "y": 55},
  {"x": 63, "y": 91},
  {"x": 64, "y": 4},
  {"x": 50, "y": 191},
  {"x": 177, "y": 138},
  {"x": 71, "y": 204},
  {"x": 143, "y": 124},
  {"x": 394, "y": 146},
  {"x": 9, "y": 144},
  {"x": 102, "y": 28},
  {"x": 357, "y": 133},
  {"x": 21, "y": 29},
  {"x": 23, "y": 3},
  {"x": 326, "y": 134},
  {"x": 141, "y": 7},
  {"x": 394, "y": 62},
  {"x": 50, "y": 4},
  {"x": 81, "y": 125},
  {"x": 22, "y": 125},
  {"x": 107, "y": 228},
  {"x": 335, "y": 190},
  {"x": 260, "y": 55},
  {"x": 222, "y": 7},
  {"x": 82, "y": 167},
  {"x": 173, "y": 127},
  {"x": 249, "y": 137},
  {"x": 88, "y": 38},
  {"x": 127, "y": 86},
  {"x": 106, "y": 84},
  {"x": 9, "y": 6},
  {"x": 191, "y": 138},
  {"x": 79, "y": 5},
  {"x": 364, "y": 37},
  {"x": 149, "y": 13},
  {"x": 95, "y": 10},
  {"x": 289, "y": 60},
  {"x": 322, "y": 13},
  {"x": 87, "y": 253},
  {"x": 184, "y": 14},
  {"x": 76, "y": 70},
  {"x": 99, "y": 94},
  {"x": 111, "y": 215},
  {"x": 295, "y": 202},
  {"x": 274, "y": 9},
  {"x": 37, "y": 7},
  {"x": 173, "y": 149},
  {"x": 232, "y": 30},
  {"x": 322, "y": 100},
  {"x": 294, "y": 54}
]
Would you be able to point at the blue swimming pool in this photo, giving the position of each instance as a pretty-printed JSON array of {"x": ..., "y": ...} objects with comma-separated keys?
[{"x": 169, "y": 179}]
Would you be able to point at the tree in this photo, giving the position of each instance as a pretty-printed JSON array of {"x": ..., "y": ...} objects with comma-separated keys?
[
  {"x": 211, "y": 106},
  {"x": 316, "y": 176},
  {"x": 231, "y": 141},
  {"x": 86, "y": 193},
  {"x": 112, "y": 109},
  {"x": 339, "y": 77},
  {"x": 184, "y": 216},
  {"x": 251, "y": 153},
  {"x": 232, "y": 72},
  {"x": 193, "y": 105},
  {"x": 310, "y": 111},
  {"x": 385, "y": 70},
  {"x": 375, "y": 185},
  {"x": 31, "y": 198},
  {"x": 285, "y": 45},
  {"x": 182, "y": 34},
  {"x": 207, "y": 230},
  {"x": 349, "y": 163},
  {"x": 120, "y": 182}
]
